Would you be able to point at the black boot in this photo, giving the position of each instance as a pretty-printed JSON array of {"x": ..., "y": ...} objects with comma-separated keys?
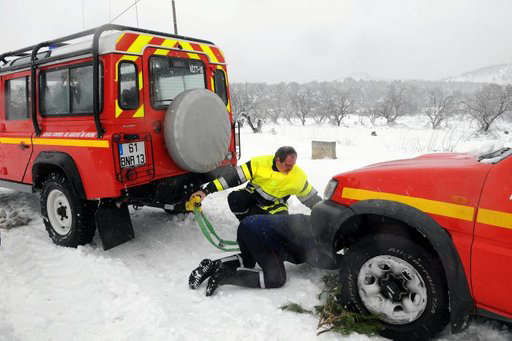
[
  {"x": 223, "y": 275},
  {"x": 202, "y": 272},
  {"x": 207, "y": 266}
]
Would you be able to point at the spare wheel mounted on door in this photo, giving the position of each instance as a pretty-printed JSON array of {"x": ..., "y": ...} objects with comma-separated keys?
[{"x": 197, "y": 130}]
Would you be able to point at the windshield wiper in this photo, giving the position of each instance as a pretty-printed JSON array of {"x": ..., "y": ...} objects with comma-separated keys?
[{"x": 495, "y": 156}]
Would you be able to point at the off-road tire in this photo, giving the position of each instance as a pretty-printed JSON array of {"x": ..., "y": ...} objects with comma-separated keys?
[
  {"x": 77, "y": 214},
  {"x": 398, "y": 249}
]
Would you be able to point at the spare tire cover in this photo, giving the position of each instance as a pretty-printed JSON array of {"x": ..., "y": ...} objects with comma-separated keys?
[{"x": 197, "y": 130}]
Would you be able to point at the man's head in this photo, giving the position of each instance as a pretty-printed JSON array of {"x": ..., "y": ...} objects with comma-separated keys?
[{"x": 285, "y": 158}]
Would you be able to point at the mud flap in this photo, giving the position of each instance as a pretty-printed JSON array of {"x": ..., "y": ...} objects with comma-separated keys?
[{"x": 114, "y": 225}]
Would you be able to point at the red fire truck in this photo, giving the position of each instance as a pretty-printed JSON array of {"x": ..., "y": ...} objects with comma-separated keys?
[{"x": 111, "y": 117}]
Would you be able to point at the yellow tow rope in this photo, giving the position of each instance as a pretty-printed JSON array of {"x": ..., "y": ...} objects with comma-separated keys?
[{"x": 194, "y": 205}]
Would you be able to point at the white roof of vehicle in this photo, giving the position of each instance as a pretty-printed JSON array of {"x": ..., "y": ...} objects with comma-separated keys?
[{"x": 108, "y": 43}]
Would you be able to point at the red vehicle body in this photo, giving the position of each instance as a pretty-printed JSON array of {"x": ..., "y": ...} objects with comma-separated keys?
[
  {"x": 455, "y": 206},
  {"x": 104, "y": 135}
]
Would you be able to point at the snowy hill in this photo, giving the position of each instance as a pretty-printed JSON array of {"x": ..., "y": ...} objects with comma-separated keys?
[{"x": 499, "y": 74}]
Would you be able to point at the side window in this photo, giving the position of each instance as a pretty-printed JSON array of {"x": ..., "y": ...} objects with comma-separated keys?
[
  {"x": 68, "y": 91},
  {"x": 220, "y": 85},
  {"x": 128, "y": 86},
  {"x": 55, "y": 92},
  {"x": 80, "y": 86},
  {"x": 16, "y": 99},
  {"x": 171, "y": 76}
]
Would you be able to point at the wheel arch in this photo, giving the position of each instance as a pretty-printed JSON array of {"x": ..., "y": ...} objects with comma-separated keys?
[
  {"x": 414, "y": 221},
  {"x": 49, "y": 162}
]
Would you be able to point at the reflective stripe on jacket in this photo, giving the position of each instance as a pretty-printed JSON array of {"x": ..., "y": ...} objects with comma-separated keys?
[{"x": 270, "y": 184}]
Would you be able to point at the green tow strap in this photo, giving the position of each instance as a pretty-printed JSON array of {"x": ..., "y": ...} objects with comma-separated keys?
[{"x": 208, "y": 229}]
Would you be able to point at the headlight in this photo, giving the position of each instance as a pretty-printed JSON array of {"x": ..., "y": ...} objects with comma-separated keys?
[{"x": 329, "y": 189}]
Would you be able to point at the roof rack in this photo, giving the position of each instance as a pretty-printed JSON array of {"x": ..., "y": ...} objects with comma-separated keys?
[{"x": 33, "y": 50}]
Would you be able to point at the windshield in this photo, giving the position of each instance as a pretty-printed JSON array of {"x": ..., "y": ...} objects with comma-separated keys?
[{"x": 171, "y": 76}]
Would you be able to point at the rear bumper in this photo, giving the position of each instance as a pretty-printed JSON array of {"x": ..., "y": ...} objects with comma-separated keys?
[{"x": 171, "y": 190}]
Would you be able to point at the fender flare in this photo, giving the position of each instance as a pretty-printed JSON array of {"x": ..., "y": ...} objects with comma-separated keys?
[
  {"x": 65, "y": 163},
  {"x": 461, "y": 301}
]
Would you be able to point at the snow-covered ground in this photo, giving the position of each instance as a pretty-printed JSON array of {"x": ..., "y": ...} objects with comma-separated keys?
[{"x": 139, "y": 291}]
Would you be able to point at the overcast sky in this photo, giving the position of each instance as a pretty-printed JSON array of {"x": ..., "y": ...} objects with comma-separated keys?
[{"x": 298, "y": 40}]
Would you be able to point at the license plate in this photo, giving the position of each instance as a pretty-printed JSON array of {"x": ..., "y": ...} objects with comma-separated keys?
[{"x": 132, "y": 154}]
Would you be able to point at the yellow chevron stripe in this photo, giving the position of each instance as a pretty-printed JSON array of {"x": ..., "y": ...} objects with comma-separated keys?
[
  {"x": 15, "y": 140},
  {"x": 430, "y": 206},
  {"x": 139, "y": 112},
  {"x": 119, "y": 111},
  {"x": 209, "y": 52},
  {"x": 120, "y": 37},
  {"x": 186, "y": 45},
  {"x": 193, "y": 56},
  {"x": 126, "y": 57},
  {"x": 161, "y": 52},
  {"x": 139, "y": 43},
  {"x": 141, "y": 84},
  {"x": 71, "y": 142},
  {"x": 169, "y": 43},
  {"x": 495, "y": 218}
]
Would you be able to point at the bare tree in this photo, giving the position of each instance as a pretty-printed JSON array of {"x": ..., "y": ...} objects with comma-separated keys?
[
  {"x": 488, "y": 104},
  {"x": 301, "y": 100},
  {"x": 372, "y": 112},
  {"x": 439, "y": 107},
  {"x": 339, "y": 105},
  {"x": 396, "y": 103},
  {"x": 279, "y": 105},
  {"x": 244, "y": 104}
]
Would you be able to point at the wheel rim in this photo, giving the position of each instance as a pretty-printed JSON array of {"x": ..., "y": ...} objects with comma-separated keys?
[
  {"x": 392, "y": 289},
  {"x": 59, "y": 212}
]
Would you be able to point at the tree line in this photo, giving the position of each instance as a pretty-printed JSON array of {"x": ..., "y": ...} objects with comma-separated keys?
[{"x": 255, "y": 104}]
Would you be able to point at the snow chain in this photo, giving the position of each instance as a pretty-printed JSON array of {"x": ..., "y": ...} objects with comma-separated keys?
[{"x": 207, "y": 228}]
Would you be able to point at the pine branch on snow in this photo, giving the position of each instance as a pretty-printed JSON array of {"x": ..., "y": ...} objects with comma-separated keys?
[{"x": 333, "y": 317}]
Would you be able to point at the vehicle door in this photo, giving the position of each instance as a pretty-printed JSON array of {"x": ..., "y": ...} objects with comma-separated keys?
[
  {"x": 15, "y": 135},
  {"x": 171, "y": 69},
  {"x": 491, "y": 261}
]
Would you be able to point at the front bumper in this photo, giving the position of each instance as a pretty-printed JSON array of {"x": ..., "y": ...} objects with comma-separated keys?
[{"x": 327, "y": 220}]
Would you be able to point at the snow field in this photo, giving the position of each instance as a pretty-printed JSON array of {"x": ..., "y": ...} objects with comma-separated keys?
[{"x": 139, "y": 291}]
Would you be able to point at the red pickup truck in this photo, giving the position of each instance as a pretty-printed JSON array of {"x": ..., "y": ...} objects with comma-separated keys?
[{"x": 424, "y": 241}]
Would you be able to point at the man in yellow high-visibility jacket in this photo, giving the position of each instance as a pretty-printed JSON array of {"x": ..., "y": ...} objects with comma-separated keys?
[{"x": 271, "y": 180}]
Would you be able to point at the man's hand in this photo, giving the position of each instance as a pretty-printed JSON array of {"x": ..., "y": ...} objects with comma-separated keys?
[{"x": 200, "y": 194}]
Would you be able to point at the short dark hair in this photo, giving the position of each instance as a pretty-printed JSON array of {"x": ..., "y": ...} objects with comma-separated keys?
[{"x": 283, "y": 152}]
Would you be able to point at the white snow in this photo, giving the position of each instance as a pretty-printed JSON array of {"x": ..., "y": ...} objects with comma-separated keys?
[{"x": 139, "y": 291}]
